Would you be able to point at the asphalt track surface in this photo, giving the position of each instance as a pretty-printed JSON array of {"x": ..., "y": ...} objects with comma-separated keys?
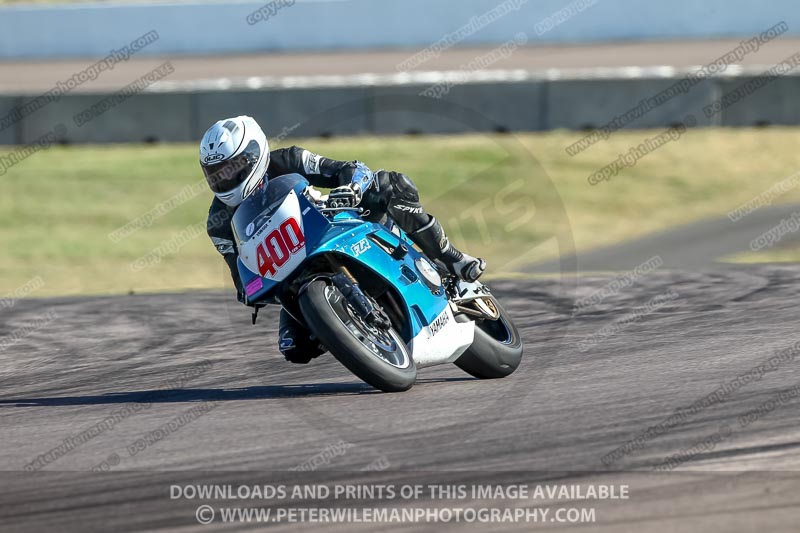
[
  {"x": 34, "y": 77},
  {"x": 581, "y": 392},
  {"x": 698, "y": 244},
  {"x": 593, "y": 379}
]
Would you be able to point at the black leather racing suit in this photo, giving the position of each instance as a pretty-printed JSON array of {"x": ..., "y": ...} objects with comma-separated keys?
[{"x": 391, "y": 193}]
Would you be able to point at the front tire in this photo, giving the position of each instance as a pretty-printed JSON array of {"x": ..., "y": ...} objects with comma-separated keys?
[
  {"x": 497, "y": 349},
  {"x": 378, "y": 357}
]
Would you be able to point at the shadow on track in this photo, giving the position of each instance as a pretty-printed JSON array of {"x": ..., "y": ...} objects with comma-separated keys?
[{"x": 265, "y": 392}]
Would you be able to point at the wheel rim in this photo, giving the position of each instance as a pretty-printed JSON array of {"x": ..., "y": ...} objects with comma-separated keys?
[
  {"x": 497, "y": 329},
  {"x": 384, "y": 344}
]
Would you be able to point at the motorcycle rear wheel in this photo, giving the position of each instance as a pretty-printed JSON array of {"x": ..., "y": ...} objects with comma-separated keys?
[{"x": 497, "y": 349}]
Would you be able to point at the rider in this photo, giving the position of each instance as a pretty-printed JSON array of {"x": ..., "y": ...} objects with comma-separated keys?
[{"x": 235, "y": 157}]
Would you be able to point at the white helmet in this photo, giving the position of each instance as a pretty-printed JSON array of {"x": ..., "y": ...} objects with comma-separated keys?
[{"x": 234, "y": 154}]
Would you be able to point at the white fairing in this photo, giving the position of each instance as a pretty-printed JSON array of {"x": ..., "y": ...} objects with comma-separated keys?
[
  {"x": 443, "y": 341},
  {"x": 278, "y": 247}
]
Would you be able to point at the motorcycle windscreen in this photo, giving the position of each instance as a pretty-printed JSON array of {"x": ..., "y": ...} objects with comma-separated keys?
[
  {"x": 253, "y": 212},
  {"x": 270, "y": 238}
]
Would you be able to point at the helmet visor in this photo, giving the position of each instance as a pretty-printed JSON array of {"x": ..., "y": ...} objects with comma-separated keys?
[{"x": 229, "y": 174}]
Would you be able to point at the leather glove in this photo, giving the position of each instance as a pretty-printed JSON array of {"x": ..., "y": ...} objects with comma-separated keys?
[{"x": 357, "y": 172}]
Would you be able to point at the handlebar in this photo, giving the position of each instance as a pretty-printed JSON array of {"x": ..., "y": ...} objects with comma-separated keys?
[
  {"x": 358, "y": 210},
  {"x": 321, "y": 203}
]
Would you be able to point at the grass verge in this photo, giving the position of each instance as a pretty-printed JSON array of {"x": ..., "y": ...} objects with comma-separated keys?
[{"x": 511, "y": 198}]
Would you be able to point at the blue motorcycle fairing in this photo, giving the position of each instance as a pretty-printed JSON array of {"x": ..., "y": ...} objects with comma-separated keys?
[
  {"x": 348, "y": 235},
  {"x": 421, "y": 305}
]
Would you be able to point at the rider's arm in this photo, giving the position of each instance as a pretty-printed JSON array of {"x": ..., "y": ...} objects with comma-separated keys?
[
  {"x": 320, "y": 171},
  {"x": 219, "y": 230}
]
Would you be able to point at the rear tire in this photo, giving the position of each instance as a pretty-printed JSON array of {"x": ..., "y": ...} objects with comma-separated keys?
[
  {"x": 378, "y": 357},
  {"x": 497, "y": 349}
]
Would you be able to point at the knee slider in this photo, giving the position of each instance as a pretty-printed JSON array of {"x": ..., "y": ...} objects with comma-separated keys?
[{"x": 404, "y": 189}]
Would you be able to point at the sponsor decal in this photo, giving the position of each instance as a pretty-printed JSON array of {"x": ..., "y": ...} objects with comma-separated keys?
[
  {"x": 278, "y": 246},
  {"x": 360, "y": 247},
  {"x": 440, "y": 322},
  {"x": 286, "y": 340},
  {"x": 254, "y": 286},
  {"x": 214, "y": 157},
  {"x": 311, "y": 162},
  {"x": 409, "y": 208}
]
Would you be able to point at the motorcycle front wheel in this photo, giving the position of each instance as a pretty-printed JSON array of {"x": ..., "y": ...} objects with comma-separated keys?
[{"x": 377, "y": 356}]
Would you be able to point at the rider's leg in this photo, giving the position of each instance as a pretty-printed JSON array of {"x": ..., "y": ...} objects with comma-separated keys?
[
  {"x": 432, "y": 239},
  {"x": 294, "y": 341},
  {"x": 396, "y": 194}
]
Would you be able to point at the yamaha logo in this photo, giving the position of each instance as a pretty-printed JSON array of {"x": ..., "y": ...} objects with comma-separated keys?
[
  {"x": 437, "y": 325},
  {"x": 248, "y": 231}
]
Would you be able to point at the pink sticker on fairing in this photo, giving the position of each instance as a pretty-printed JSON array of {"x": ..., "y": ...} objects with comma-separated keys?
[{"x": 254, "y": 286}]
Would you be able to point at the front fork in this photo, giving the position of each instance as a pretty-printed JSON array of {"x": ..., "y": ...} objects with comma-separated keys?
[{"x": 363, "y": 306}]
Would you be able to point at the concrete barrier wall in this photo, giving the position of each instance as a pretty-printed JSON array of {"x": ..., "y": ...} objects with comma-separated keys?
[
  {"x": 587, "y": 104},
  {"x": 309, "y": 112},
  {"x": 776, "y": 103},
  {"x": 192, "y": 28},
  {"x": 9, "y": 135},
  {"x": 527, "y": 105},
  {"x": 146, "y": 117}
]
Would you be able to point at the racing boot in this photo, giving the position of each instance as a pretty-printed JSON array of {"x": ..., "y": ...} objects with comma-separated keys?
[
  {"x": 434, "y": 243},
  {"x": 295, "y": 341}
]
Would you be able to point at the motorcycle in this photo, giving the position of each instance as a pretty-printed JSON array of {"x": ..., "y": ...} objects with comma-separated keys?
[{"x": 377, "y": 304}]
